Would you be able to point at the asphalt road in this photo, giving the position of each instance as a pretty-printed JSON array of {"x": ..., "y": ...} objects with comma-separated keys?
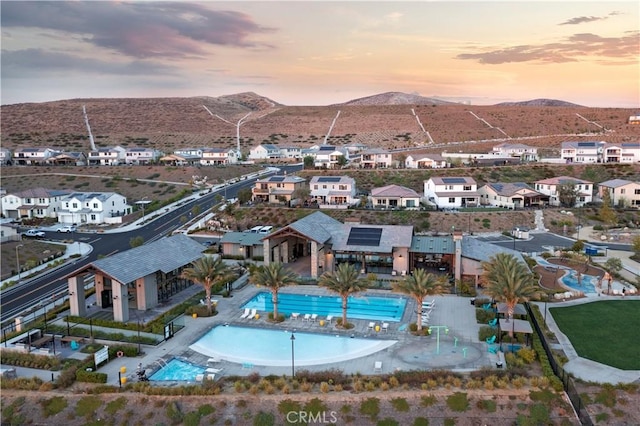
[
  {"x": 542, "y": 241},
  {"x": 44, "y": 288}
]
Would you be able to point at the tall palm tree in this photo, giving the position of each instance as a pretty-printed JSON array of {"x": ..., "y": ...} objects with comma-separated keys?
[
  {"x": 208, "y": 271},
  {"x": 273, "y": 276},
  {"x": 420, "y": 285},
  {"x": 345, "y": 281},
  {"x": 507, "y": 280}
]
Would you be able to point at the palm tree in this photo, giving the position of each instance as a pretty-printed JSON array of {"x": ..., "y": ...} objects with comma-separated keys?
[
  {"x": 345, "y": 281},
  {"x": 420, "y": 285},
  {"x": 507, "y": 280},
  {"x": 273, "y": 276},
  {"x": 208, "y": 271}
]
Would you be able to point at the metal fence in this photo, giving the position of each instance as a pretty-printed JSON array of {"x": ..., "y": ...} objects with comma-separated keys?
[{"x": 567, "y": 382}]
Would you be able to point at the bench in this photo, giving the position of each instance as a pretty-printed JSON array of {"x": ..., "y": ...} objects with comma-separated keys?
[{"x": 69, "y": 339}]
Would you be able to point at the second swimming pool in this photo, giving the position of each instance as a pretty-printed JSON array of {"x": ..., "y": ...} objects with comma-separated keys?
[
  {"x": 361, "y": 307},
  {"x": 258, "y": 346}
]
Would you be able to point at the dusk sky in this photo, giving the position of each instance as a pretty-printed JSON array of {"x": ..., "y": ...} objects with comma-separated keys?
[{"x": 320, "y": 53}]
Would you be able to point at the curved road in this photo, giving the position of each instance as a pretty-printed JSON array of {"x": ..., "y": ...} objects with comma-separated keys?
[{"x": 43, "y": 288}]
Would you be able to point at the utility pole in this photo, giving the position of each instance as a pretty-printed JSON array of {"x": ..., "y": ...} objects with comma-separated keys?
[{"x": 238, "y": 124}]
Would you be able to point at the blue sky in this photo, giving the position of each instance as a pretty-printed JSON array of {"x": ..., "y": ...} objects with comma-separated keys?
[{"x": 319, "y": 53}]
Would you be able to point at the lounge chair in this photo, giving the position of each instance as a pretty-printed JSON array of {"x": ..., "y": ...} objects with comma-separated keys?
[
  {"x": 385, "y": 326},
  {"x": 491, "y": 340},
  {"x": 74, "y": 345},
  {"x": 307, "y": 317},
  {"x": 313, "y": 318},
  {"x": 212, "y": 360},
  {"x": 246, "y": 313},
  {"x": 493, "y": 323},
  {"x": 295, "y": 315},
  {"x": 493, "y": 349},
  {"x": 214, "y": 370},
  {"x": 199, "y": 377},
  {"x": 377, "y": 366},
  {"x": 329, "y": 319},
  {"x": 211, "y": 377},
  {"x": 429, "y": 304},
  {"x": 252, "y": 314},
  {"x": 371, "y": 325}
]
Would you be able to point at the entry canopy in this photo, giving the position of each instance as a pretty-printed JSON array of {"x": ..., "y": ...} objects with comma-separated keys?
[
  {"x": 518, "y": 310},
  {"x": 516, "y": 325}
]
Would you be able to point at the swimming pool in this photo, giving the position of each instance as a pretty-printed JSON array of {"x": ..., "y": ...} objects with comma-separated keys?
[
  {"x": 258, "y": 346},
  {"x": 587, "y": 282},
  {"x": 362, "y": 307},
  {"x": 177, "y": 369}
]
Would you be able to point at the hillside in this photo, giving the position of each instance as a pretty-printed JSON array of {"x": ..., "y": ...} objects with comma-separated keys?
[
  {"x": 171, "y": 123},
  {"x": 397, "y": 98}
]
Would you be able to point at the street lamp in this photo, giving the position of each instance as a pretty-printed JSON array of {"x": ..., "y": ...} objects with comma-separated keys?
[
  {"x": 293, "y": 370},
  {"x": 18, "y": 259}
]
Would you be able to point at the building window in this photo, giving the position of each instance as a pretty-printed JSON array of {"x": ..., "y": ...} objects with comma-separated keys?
[
  {"x": 342, "y": 187},
  {"x": 74, "y": 205},
  {"x": 315, "y": 186},
  {"x": 467, "y": 188},
  {"x": 622, "y": 191},
  {"x": 95, "y": 205},
  {"x": 452, "y": 200},
  {"x": 93, "y": 217}
]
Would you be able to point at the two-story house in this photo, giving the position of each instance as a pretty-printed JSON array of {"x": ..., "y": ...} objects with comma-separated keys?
[
  {"x": 265, "y": 151},
  {"x": 108, "y": 156},
  {"x": 451, "y": 192},
  {"x": 218, "y": 156},
  {"x": 183, "y": 157},
  {"x": 333, "y": 191},
  {"x": 583, "y": 188},
  {"x": 92, "y": 207},
  {"x": 290, "y": 151},
  {"x": 425, "y": 161},
  {"x": 524, "y": 152},
  {"x": 141, "y": 155},
  {"x": 622, "y": 193},
  {"x": 394, "y": 196},
  {"x": 376, "y": 158},
  {"x": 69, "y": 158},
  {"x": 32, "y": 203},
  {"x": 514, "y": 195},
  {"x": 277, "y": 189},
  {"x": 328, "y": 157},
  {"x": 32, "y": 156},
  {"x": 5, "y": 156}
]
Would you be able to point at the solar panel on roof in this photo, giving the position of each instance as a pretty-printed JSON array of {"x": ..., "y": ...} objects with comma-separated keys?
[
  {"x": 454, "y": 180},
  {"x": 586, "y": 144},
  {"x": 364, "y": 237},
  {"x": 277, "y": 179},
  {"x": 329, "y": 179}
]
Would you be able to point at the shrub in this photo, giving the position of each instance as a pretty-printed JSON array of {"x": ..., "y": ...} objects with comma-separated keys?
[
  {"x": 370, "y": 407},
  {"x": 90, "y": 376},
  {"x": 264, "y": 419},
  {"x": 53, "y": 406},
  {"x": 87, "y": 406},
  {"x": 400, "y": 404},
  {"x": 458, "y": 402}
]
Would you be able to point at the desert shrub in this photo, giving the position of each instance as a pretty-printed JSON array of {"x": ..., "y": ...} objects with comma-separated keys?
[
  {"x": 483, "y": 316},
  {"x": 87, "y": 406},
  {"x": 400, "y": 404},
  {"x": 53, "y": 406},
  {"x": 174, "y": 413},
  {"x": 90, "y": 376},
  {"x": 606, "y": 396},
  {"x": 288, "y": 405},
  {"x": 370, "y": 407},
  {"x": 527, "y": 355},
  {"x": 488, "y": 405},
  {"x": 458, "y": 402},
  {"x": 486, "y": 332},
  {"x": 264, "y": 419},
  {"x": 116, "y": 405},
  {"x": 315, "y": 406},
  {"x": 332, "y": 376},
  {"x": 421, "y": 421},
  {"x": 387, "y": 422}
]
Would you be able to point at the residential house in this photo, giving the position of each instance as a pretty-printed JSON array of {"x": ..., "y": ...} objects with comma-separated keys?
[
  {"x": 451, "y": 192},
  {"x": 9, "y": 231},
  {"x": 290, "y": 152},
  {"x": 355, "y": 148},
  {"x": 93, "y": 208},
  {"x": 277, "y": 189},
  {"x": 265, "y": 151},
  {"x": 5, "y": 156},
  {"x": 634, "y": 119},
  {"x": 218, "y": 156},
  {"x": 33, "y": 156},
  {"x": 524, "y": 152},
  {"x": 629, "y": 152},
  {"x": 376, "y": 158},
  {"x": 69, "y": 158},
  {"x": 425, "y": 161},
  {"x": 139, "y": 278},
  {"x": 32, "y": 203},
  {"x": 394, "y": 196},
  {"x": 333, "y": 191},
  {"x": 179, "y": 160},
  {"x": 623, "y": 193},
  {"x": 327, "y": 156},
  {"x": 550, "y": 186},
  {"x": 480, "y": 159},
  {"x": 108, "y": 156},
  {"x": 141, "y": 155},
  {"x": 600, "y": 152},
  {"x": 515, "y": 195}
]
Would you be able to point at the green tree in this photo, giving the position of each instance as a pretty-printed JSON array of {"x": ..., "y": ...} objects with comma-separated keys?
[
  {"x": 136, "y": 241},
  {"x": 273, "y": 276},
  {"x": 301, "y": 193},
  {"x": 244, "y": 195},
  {"x": 568, "y": 194},
  {"x": 342, "y": 161},
  {"x": 606, "y": 214},
  {"x": 208, "y": 272},
  {"x": 420, "y": 285},
  {"x": 635, "y": 245},
  {"x": 344, "y": 281},
  {"x": 613, "y": 264},
  {"x": 309, "y": 161},
  {"x": 507, "y": 280},
  {"x": 196, "y": 210}
]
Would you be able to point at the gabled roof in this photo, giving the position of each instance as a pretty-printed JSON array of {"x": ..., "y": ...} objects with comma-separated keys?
[
  {"x": 269, "y": 147},
  {"x": 282, "y": 179},
  {"x": 40, "y": 193},
  {"x": 422, "y": 157},
  {"x": 391, "y": 236},
  {"x": 562, "y": 180},
  {"x": 394, "y": 191},
  {"x": 453, "y": 180},
  {"x": 373, "y": 151},
  {"x": 86, "y": 196},
  {"x": 332, "y": 179},
  {"x": 317, "y": 227},
  {"x": 429, "y": 244},
  {"x": 242, "y": 238},
  {"x": 483, "y": 251},
  {"x": 508, "y": 189},
  {"x": 616, "y": 183},
  {"x": 166, "y": 255}
]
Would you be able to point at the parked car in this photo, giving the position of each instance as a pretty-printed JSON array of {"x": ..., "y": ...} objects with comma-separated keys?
[
  {"x": 67, "y": 228},
  {"x": 34, "y": 233}
]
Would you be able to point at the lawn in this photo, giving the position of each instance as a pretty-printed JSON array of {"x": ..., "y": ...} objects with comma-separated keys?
[{"x": 606, "y": 332}]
